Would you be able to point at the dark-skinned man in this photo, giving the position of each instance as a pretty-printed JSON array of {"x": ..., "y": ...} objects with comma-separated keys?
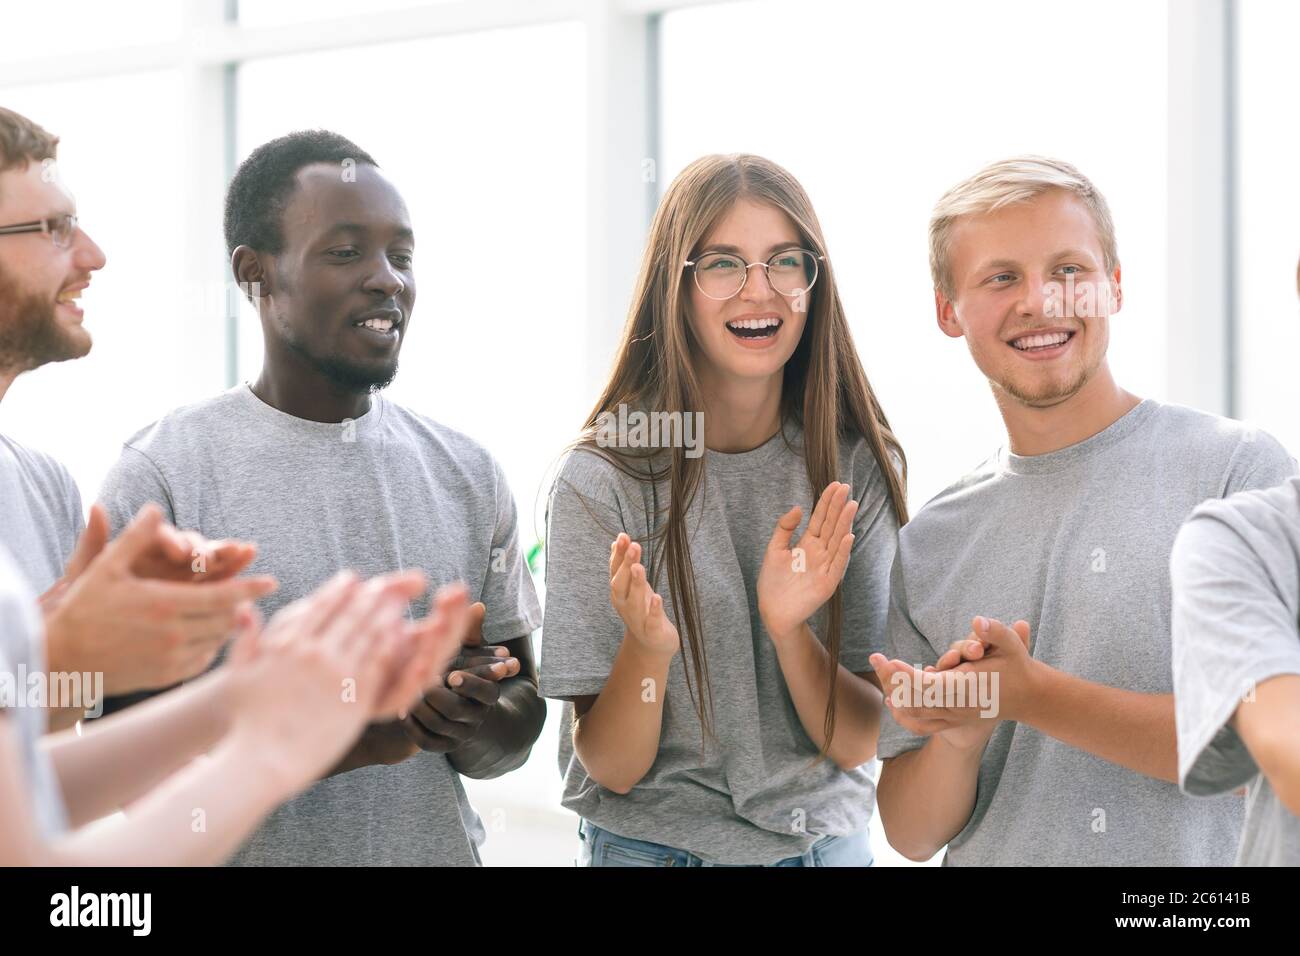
[{"x": 314, "y": 464}]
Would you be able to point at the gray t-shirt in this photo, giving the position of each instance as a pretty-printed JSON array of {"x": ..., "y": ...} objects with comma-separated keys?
[
  {"x": 40, "y": 513},
  {"x": 756, "y": 797},
  {"x": 1236, "y": 580},
  {"x": 22, "y": 652},
  {"x": 388, "y": 491},
  {"x": 1077, "y": 543}
]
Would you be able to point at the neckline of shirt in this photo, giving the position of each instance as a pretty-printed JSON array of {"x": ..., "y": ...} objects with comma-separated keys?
[
  {"x": 269, "y": 414},
  {"x": 1062, "y": 458},
  {"x": 722, "y": 461}
]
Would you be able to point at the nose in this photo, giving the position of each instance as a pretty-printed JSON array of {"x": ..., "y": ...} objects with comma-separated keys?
[
  {"x": 86, "y": 253},
  {"x": 756, "y": 288},
  {"x": 385, "y": 280},
  {"x": 1032, "y": 298}
]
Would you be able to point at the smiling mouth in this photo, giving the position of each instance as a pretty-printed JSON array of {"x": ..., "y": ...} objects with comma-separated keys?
[
  {"x": 754, "y": 328},
  {"x": 381, "y": 326},
  {"x": 1040, "y": 342}
]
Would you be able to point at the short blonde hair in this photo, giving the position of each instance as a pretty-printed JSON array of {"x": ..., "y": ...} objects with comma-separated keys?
[{"x": 1014, "y": 180}]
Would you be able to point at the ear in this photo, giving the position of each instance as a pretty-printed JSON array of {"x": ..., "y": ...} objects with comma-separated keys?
[
  {"x": 1119, "y": 291},
  {"x": 254, "y": 280},
  {"x": 946, "y": 315}
]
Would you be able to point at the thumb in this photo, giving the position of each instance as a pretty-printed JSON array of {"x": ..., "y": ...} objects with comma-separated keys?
[
  {"x": 1022, "y": 631},
  {"x": 785, "y": 528},
  {"x": 140, "y": 534},
  {"x": 474, "y": 636},
  {"x": 248, "y": 623},
  {"x": 998, "y": 636},
  {"x": 90, "y": 543}
]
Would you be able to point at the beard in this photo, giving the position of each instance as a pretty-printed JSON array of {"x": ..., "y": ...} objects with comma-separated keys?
[
  {"x": 350, "y": 376},
  {"x": 1051, "y": 393},
  {"x": 30, "y": 335}
]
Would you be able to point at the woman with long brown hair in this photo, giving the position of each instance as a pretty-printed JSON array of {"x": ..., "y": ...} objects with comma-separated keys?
[{"x": 721, "y": 708}]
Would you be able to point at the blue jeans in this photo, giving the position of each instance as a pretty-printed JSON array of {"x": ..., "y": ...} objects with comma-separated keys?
[{"x": 602, "y": 848}]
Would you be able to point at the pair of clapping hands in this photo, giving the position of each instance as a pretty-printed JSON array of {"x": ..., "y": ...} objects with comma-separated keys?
[
  {"x": 794, "y": 581},
  {"x": 154, "y": 607},
  {"x": 965, "y": 717}
]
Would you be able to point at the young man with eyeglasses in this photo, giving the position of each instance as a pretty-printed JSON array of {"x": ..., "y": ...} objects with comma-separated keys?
[
  {"x": 317, "y": 466},
  {"x": 1050, "y": 741},
  {"x": 98, "y": 621}
]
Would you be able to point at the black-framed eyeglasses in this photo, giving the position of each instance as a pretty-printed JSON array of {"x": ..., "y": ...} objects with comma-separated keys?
[
  {"x": 721, "y": 275},
  {"x": 60, "y": 229}
]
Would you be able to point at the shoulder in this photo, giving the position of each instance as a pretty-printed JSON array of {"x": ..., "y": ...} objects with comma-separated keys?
[
  {"x": 42, "y": 466},
  {"x": 1226, "y": 439},
  {"x": 179, "y": 426},
  {"x": 455, "y": 448},
  {"x": 1257, "y": 520}
]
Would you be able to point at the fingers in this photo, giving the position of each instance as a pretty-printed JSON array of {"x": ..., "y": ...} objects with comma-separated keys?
[
  {"x": 494, "y": 671},
  {"x": 783, "y": 534},
  {"x": 184, "y": 598},
  {"x": 1022, "y": 631},
  {"x": 90, "y": 544},
  {"x": 248, "y": 628},
  {"x": 840, "y": 561},
  {"x": 1001, "y": 638},
  {"x": 620, "y": 584},
  {"x": 616, "y": 552},
  {"x": 139, "y": 535},
  {"x": 472, "y": 687},
  {"x": 819, "y": 512}
]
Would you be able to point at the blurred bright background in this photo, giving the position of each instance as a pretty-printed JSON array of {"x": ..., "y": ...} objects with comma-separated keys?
[{"x": 522, "y": 131}]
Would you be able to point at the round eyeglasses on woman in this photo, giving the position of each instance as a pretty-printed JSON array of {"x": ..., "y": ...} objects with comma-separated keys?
[
  {"x": 721, "y": 275},
  {"x": 60, "y": 229}
]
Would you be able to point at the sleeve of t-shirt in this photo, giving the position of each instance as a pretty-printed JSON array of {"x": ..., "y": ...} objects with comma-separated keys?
[
  {"x": 905, "y": 643},
  {"x": 76, "y": 516},
  {"x": 133, "y": 482},
  {"x": 1259, "y": 461},
  {"x": 581, "y": 631},
  {"x": 510, "y": 603},
  {"x": 1234, "y": 623},
  {"x": 866, "y": 580}
]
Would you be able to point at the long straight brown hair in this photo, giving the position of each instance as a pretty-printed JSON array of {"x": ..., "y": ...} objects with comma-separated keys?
[{"x": 824, "y": 387}]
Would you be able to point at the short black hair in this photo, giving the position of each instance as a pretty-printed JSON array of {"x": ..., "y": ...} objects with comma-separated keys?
[{"x": 261, "y": 187}]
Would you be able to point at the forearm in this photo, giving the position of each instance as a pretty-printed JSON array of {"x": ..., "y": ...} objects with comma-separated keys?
[
  {"x": 617, "y": 740},
  {"x": 1267, "y": 725},
  {"x": 807, "y": 667},
  {"x": 198, "y": 817},
  {"x": 1128, "y": 728},
  {"x": 379, "y": 745},
  {"x": 118, "y": 758},
  {"x": 927, "y": 795},
  {"x": 506, "y": 736}
]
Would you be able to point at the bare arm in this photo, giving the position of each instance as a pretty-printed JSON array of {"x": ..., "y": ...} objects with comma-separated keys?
[
  {"x": 806, "y": 666},
  {"x": 616, "y": 733},
  {"x": 1267, "y": 726},
  {"x": 117, "y": 759}
]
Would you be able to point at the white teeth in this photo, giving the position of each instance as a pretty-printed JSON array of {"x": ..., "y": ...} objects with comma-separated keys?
[
  {"x": 754, "y": 323},
  {"x": 69, "y": 295},
  {"x": 1040, "y": 341},
  {"x": 379, "y": 325}
]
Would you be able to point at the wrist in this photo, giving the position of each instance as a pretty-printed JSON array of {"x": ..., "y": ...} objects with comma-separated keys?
[
  {"x": 61, "y": 650},
  {"x": 1040, "y": 680}
]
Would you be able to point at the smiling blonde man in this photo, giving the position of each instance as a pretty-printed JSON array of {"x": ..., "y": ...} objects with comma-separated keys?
[{"x": 1067, "y": 532}]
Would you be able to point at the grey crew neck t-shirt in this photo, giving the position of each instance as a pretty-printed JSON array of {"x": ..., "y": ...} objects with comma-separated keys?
[
  {"x": 1236, "y": 580},
  {"x": 755, "y": 797},
  {"x": 388, "y": 491},
  {"x": 40, "y": 513},
  {"x": 1077, "y": 543},
  {"x": 22, "y": 652}
]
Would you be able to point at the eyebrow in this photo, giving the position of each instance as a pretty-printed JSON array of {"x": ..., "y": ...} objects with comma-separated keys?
[
  {"x": 1000, "y": 264},
  {"x": 403, "y": 232},
  {"x": 735, "y": 250}
]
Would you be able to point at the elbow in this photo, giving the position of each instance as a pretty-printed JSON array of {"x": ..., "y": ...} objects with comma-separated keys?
[{"x": 621, "y": 784}]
